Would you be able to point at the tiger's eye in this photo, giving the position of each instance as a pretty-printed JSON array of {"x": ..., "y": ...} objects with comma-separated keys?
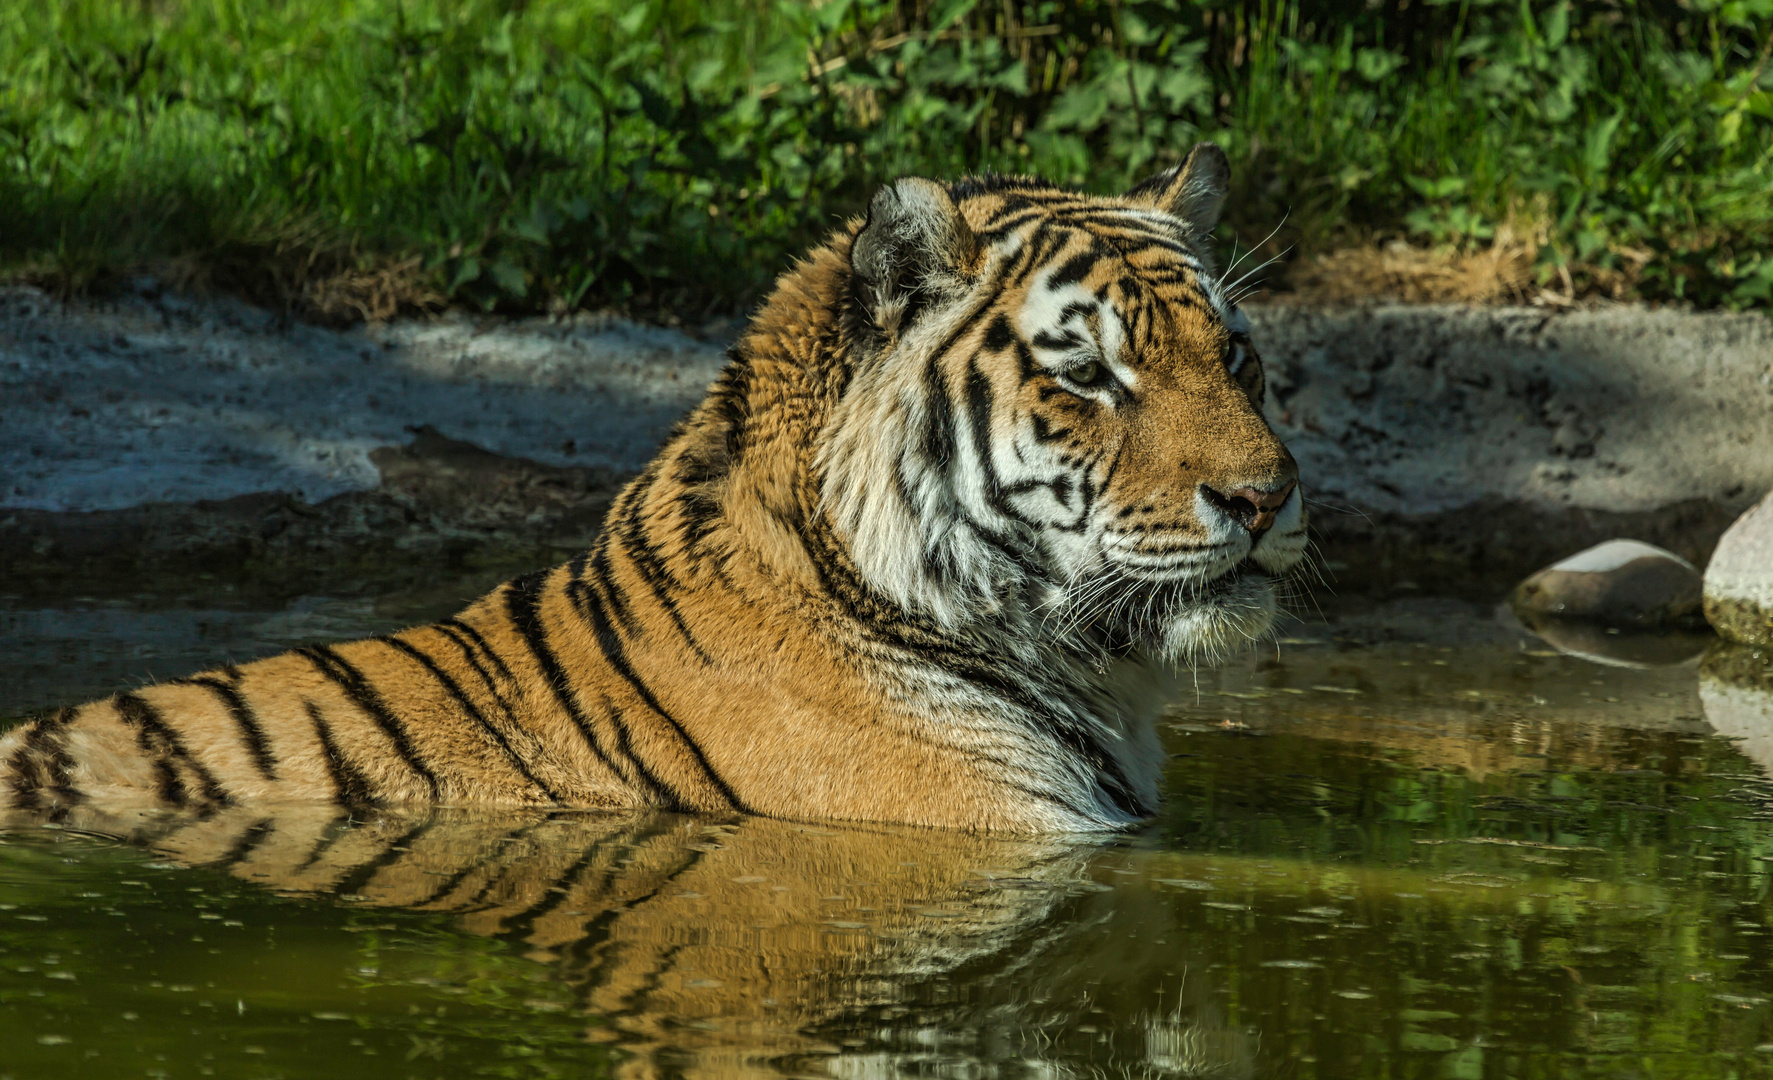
[{"x": 1085, "y": 374}]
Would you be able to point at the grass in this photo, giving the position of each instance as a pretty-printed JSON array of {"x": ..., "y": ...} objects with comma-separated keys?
[{"x": 351, "y": 158}]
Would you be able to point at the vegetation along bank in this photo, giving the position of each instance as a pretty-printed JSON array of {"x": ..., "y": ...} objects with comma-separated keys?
[{"x": 353, "y": 158}]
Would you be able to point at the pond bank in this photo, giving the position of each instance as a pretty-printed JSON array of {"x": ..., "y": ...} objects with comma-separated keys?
[{"x": 1449, "y": 448}]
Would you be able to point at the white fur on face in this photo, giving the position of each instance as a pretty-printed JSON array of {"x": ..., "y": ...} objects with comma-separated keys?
[{"x": 1067, "y": 326}]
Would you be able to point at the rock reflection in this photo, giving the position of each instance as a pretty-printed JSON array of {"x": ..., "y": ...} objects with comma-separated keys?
[
  {"x": 746, "y": 946},
  {"x": 1614, "y": 647},
  {"x": 1736, "y": 690}
]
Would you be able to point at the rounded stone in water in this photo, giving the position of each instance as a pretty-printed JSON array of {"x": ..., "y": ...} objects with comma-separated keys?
[
  {"x": 1739, "y": 578},
  {"x": 1619, "y": 583}
]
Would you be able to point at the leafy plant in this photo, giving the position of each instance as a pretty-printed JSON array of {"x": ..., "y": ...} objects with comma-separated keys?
[{"x": 353, "y": 156}]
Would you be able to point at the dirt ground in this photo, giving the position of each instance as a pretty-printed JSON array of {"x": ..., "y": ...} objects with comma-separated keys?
[{"x": 1445, "y": 446}]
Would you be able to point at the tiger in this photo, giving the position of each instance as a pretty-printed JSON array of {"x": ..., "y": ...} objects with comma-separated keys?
[{"x": 985, "y": 472}]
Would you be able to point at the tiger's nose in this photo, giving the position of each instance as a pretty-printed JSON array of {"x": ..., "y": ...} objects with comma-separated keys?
[{"x": 1253, "y": 508}]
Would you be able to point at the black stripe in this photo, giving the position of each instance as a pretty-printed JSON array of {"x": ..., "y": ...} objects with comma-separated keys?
[
  {"x": 616, "y": 653},
  {"x": 337, "y": 669},
  {"x": 699, "y": 514},
  {"x": 52, "y": 737},
  {"x": 350, "y": 787},
  {"x": 27, "y": 780},
  {"x": 1077, "y": 309},
  {"x": 1000, "y": 227},
  {"x": 1061, "y": 342},
  {"x": 587, "y": 601},
  {"x": 523, "y": 603},
  {"x": 599, "y": 591},
  {"x": 473, "y": 660},
  {"x": 1045, "y": 432},
  {"x": 167, "y": 785},
  {"x": 474, "y": 713},
  {"x": 938, "y": 427},
  {"x": 999, "y": 336},
  {"x": 1076, "y": 268},
  {"x": 1046, "y": 242},
  {"x": 256, "y": 742},
  {"x": 42, "y": 761},
  {"x": 597, "y": 560},
  {"x": 903, "y": 486},
  {"x": 474, "y": 635},
  {"x": 630, "y": 530},
  {"x": 979, "y": 406},
  {"x": 165, "y": 747}
]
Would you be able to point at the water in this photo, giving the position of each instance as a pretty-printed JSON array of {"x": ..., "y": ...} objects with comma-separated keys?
[{"x": 1412, "y": 841}]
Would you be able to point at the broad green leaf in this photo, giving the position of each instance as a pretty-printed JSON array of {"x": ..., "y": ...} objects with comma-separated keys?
[
  {"x": 948, "y": 12},
  {"x": 1079, "y": 109},
  {"x": 1598, "y": 148},
  {"x": 1557, "y": 26},
  {"x": 1376, "y": 64},
  {"x": 509, "y": 277},
  {"x": 635, "y": 17}
]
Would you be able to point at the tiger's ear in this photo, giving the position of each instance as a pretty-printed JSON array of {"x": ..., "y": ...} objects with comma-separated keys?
[
  {"x": 1193, "y": 191},
  {"x": 914, "y": 247}
]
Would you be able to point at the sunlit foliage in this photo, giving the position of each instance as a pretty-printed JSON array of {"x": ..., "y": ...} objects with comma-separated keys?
[{"x": 351, "y": 156}]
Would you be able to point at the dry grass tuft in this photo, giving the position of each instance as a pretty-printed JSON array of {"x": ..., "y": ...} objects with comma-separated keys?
[
  {"x": 334, "y": 288},
  {"x": 1397, "y": 271},
  {"x": 373, "y": 295}
]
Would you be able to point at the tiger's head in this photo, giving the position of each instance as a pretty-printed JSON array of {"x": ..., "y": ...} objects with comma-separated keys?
[{"x": 1054, "y": 418}]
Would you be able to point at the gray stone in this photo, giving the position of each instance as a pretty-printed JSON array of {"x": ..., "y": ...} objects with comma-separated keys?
[
  {"x": 1621, "y": 583},
  {"x": 1739, "y": 578}
]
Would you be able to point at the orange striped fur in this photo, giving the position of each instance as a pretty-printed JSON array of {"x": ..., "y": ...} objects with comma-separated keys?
[{"x": 983, "y": 471}]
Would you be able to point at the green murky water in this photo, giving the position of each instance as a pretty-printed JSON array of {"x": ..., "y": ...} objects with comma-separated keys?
[{"x": 1409, "y": 842}]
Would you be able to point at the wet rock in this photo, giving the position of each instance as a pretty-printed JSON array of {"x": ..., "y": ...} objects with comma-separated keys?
[
  {"x": 1739, "y": 578},
  {"x": 1621, "y": 584},
  {"x": 1736, "y": 690}
]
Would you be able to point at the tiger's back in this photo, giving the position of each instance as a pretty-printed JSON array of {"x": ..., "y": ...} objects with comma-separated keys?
[{"x": 981, "y": 470}]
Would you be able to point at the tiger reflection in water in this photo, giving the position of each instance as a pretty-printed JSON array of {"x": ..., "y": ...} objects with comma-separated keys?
[{"x": 747, "y": 946}]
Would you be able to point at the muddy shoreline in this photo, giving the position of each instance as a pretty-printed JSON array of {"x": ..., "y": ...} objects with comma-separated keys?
[{"x": 151, "y": 438}]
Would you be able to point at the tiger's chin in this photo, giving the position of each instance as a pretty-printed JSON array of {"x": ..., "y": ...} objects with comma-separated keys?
[
  {"x": 1226, "y": 615},
  {"x": 1178, "y": 621},
  {"x": 1192, "y": 622}
]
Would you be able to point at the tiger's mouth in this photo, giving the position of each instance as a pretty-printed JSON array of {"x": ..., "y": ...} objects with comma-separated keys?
[
  {"x": 1175, "y": 619},
  {"x": 1187, "y": 585},
  {"x": 1231, "y": 578}
]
